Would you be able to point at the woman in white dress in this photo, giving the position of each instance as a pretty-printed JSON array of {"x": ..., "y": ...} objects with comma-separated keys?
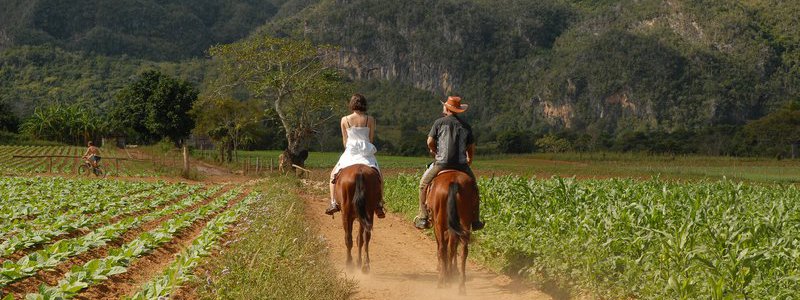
[{"x": 358, "y": 132}]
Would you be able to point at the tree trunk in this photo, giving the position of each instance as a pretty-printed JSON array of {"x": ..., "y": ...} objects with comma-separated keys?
[
  {"x": 795, "y": 149},
  {"x": 221, "y": 149},
  {"x": 229, "y": 151},
  {"x": 289, "y": 157}
]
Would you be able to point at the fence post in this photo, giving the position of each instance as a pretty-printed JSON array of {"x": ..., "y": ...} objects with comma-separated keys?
[
  {"x": 185, "y": 158},
  {"x": 270, "y": 164},
  {"x": 257, "y": 165},
  {"x": 50, "y": 165}
]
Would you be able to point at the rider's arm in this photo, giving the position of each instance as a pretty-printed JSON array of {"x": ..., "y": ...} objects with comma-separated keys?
[
  {"x": 371, "y": 124},
  {"x": 470, "y": 153},
  {"x": 344, "y": 132},
  {"x": 86, "y": 154},
  {"x": 432, "y": 145},
  {"x": 470, "y": 146},
  {"x": 432, "y": 136}
]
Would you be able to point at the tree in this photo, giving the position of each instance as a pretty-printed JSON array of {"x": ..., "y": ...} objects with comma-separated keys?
[
  {"x": 75, "y": 124},
  {"x": 153, "y": 107},
  {"x": 514, "y": 142},
  {"x": 553, "y": 143},
  {"x": 8, "y": 121},
  {"x": 293, "y": 79},
  {"x": 776, "y": 130},
  {"x": 228, "y": 122}
]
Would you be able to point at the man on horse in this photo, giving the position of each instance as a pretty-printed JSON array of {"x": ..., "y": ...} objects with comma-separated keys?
[{"x": 452, "y": 144}]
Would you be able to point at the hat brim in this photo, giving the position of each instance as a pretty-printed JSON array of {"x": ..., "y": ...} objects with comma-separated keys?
[{"x": 455, "y": 109}]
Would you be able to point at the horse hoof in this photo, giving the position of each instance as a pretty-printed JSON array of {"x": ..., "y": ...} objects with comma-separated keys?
[{"x": 365, "y": 269}]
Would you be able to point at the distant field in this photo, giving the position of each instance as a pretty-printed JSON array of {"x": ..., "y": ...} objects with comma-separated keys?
[
  {"x": 17, "y": 166},
  {"x": 592, "y": 165}
]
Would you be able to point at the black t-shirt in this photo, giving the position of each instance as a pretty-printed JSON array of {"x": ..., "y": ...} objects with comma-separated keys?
[{"x": 452, "y": 136}]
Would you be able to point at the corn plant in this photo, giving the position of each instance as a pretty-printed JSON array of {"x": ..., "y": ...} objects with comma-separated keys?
[{"x": 651, "y": 239}]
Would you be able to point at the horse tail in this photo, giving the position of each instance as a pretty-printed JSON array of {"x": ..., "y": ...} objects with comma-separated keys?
[
  {"x": 360, "y": 201},
  {"x": 453, "y": 220}
]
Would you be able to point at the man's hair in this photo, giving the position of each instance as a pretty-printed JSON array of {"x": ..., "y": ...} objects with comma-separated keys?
[
  {"x": 91, "y": 144},
  {"x": 358, "y": 103}
]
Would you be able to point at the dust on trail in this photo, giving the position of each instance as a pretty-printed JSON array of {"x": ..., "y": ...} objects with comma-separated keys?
[{"x": 403, "y": 263}]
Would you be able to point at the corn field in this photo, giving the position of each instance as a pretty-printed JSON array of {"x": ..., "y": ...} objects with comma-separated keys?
[{"x": 622, "y": 238}]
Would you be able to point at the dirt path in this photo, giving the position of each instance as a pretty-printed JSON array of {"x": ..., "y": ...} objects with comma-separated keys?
[{"x": 403, "y": 263}]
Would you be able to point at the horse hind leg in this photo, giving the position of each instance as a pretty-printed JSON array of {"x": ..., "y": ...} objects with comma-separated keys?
[
  {"x": 360, "y": 242},
  {"x": 367, "y": 237},
  {"x": 442, "y": 255},
  {"x": 452, "y": 256},
  {"x": 462, "y": 287},
  {"x": 348, "y": 241}
]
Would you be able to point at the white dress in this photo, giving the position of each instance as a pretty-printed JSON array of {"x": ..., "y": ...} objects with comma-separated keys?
[{"x": 358, "y": 150}]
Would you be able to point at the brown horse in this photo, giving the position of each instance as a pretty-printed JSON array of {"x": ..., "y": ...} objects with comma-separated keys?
[
  {"x": 358, "y": 188},
  {"x": 452, "y": 199}
]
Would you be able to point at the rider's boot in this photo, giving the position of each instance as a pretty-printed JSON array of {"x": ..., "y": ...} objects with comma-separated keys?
[
  {"x": 421, "y": 221},
  {"x": 333, "y": 208}
]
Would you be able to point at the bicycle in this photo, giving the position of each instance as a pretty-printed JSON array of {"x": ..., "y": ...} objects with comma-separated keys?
[{"x": 87, "y": 167}]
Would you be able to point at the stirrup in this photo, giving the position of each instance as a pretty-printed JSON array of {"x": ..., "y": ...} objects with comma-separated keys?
[
  {"x": 333, "y": 209},
  {"x": 421, "y": 223}
]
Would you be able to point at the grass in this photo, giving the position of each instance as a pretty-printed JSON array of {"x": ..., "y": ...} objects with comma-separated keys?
[
  {"x": 276, "y": 254},
  {"x": 590, "y": 165}
]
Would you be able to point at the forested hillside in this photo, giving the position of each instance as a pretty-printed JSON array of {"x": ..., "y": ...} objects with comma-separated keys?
[
  {"x": 156, "y": 30},
  {"x": 85, "y": 51},
  {"x": 600, "y": 70},
  {"x": 585, "y": 74}
]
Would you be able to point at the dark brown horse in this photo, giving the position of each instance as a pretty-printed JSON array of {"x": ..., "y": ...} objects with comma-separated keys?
[
  {"x": 358, "y": 188},
  {"x": 452, "y": 199}
]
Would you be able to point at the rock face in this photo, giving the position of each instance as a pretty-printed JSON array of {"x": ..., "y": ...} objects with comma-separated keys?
[{"x": 421, "y": 75}]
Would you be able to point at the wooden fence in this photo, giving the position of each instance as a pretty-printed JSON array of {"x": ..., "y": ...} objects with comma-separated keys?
[{"x": 77, "y": 160}]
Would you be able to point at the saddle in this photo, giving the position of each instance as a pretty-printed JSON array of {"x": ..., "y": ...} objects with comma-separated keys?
[{"x": 446, "y": 171}]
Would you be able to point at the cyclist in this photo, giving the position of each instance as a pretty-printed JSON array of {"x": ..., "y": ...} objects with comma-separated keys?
[{"x": 92, "y": 154}]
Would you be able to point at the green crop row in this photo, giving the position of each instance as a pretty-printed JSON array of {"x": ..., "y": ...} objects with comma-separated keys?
[
  {"x": 638, "y": 239},
  {"x": 103, "y": 209},
  {"x": 26, "y": 198},
  {"x": 56, "y": 253},
  {"x": 66, "y": 209},
  {"x": 180, "y": 270},
  {"x": 118, "y": 259}
]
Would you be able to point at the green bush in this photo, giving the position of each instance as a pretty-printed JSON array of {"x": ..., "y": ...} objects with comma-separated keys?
[
  {"x": 553, "y": 143},
  {"x": 515, "y": 142}
]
